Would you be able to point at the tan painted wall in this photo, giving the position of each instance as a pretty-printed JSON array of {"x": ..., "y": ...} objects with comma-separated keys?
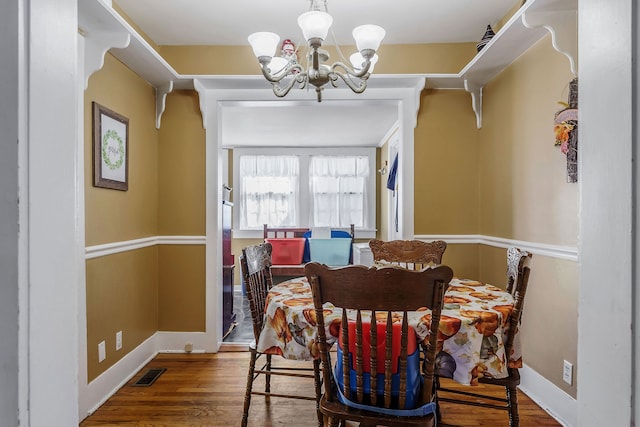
[
  {"x": 524, "y": 196},
  {"x": 446, "y": 165},
  {"x": 122, "y": 295},
  {"x": 122, "y": 292},
  {"x": 181, "y": 166},
  {"x": 181, "y": 288},
  {"x": 181, "y": 212},
  {"x": 446, "y": 169},
  {"x": 112, "y": 215}
]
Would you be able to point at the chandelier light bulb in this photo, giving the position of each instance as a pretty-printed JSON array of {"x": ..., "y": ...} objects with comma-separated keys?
[
  {"x": 277, "y": 66},
  {"x": 315, "y": 24},
  {"x": 368, "y": 37},
  {"x": 357, "y": 60},
  {"x": 264, "y": 43}
]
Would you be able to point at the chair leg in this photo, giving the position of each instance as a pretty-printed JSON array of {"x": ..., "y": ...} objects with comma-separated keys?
[
  {"x": 318, "y": 387},
  {"x": 436, "y": 387},
  {"x": 267, "y": 381},
  {"x": 247, "y": 395},
  {"x": 512, "y": 397}
]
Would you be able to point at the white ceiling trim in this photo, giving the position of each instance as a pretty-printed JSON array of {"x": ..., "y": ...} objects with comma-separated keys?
[{"x": 248, "y": 113}]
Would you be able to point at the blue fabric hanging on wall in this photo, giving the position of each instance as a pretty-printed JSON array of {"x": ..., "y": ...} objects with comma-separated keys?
[
  {"x": 391, "y": 185},
  {"x": 391, "y": 179}
]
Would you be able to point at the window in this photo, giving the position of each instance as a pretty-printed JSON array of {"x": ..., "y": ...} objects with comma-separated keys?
[
  {"x": 268, "y": 191},
  {"x": 338, "y": 188},
  {"x": 312, "y": 187}
]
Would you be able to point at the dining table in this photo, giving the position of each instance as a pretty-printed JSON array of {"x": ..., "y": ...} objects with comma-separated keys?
[{"x": 471, "y": 332}]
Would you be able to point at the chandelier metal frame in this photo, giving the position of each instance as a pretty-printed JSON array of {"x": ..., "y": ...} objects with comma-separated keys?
[{"x": 317, "y": 73}]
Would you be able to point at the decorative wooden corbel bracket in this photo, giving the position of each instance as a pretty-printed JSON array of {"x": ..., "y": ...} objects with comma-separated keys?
[
  {"x": 161, "y": 98},
  {"x": 96, "y": 45},
  {"x": 563, "y": 26},
  {"x": 476, "y": 99}
]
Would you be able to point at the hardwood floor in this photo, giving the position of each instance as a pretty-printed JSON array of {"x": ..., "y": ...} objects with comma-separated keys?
[{"x": 198, "y": 390}]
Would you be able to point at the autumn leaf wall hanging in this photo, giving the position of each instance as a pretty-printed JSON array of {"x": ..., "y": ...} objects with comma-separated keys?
[{"x": 566, "y": 131}]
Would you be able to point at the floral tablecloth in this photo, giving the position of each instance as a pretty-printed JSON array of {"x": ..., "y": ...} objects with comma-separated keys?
[{"x": 471, "y": 332}]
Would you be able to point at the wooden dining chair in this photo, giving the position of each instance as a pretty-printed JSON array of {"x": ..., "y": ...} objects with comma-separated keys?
[
  {"x": 256, "y": 270},
  {"x": 367, "y": 391},
  {"x": 517, "y": 281},
  {"x": 411, "y": 254}
]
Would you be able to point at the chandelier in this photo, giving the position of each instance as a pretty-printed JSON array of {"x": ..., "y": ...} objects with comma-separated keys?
[{"x": 284, "y": 72}]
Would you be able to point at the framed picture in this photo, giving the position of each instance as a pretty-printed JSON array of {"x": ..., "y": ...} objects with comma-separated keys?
[{"x": 110, "y": 149}]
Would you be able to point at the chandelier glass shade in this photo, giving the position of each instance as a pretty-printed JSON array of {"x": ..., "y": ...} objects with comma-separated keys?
[{"x": 315, "y": 24}]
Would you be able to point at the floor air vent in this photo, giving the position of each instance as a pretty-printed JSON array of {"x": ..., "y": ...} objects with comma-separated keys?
[{"x": 149, "y": 377}]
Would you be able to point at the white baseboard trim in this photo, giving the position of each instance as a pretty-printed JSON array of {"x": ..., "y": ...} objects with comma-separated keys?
[
  {"x": 549, "y": 397},
  {"x": 106, "y": 384},
  {"x": 543, "y": 249},
  {"x": 110, "y": 381},
  {"x": 176, "y": 342}
]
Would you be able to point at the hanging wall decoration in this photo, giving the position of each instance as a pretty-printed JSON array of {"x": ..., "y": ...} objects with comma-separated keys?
[
  {"x": 566, "y": 131},
  {"x": 110, "y": 149}
]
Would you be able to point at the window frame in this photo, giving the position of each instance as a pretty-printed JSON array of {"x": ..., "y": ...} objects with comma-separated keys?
[{"x": 304, "y": 199}]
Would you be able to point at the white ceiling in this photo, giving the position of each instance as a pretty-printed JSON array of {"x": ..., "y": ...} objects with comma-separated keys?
[
  {"x": 217, "y": 22},
  {"x": 307, "y": 123},
  {"x": 284, "y": 123}
]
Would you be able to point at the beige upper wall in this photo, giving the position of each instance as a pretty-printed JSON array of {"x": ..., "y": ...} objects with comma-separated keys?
[
  {"x": 112, "y": 215},
  {"x": 394, "y": 59},
  {"x": 524, "y": 191},
  {"x": 446, "y": 164},
  {"x": 182, "y": 168}
]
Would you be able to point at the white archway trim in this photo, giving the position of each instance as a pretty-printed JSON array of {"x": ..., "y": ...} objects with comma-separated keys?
[{"x": 215, "y": 91}]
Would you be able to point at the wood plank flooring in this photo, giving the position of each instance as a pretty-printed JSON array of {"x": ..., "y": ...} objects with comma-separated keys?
[{"x": 199, "y": 390}]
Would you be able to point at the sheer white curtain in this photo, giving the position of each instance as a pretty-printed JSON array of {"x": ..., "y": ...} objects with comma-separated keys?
[
  {"x": 338, "y": 187},
  {"x": 269, "y": 191}
]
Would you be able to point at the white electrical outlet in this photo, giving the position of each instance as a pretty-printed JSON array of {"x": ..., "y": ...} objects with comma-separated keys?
[
  {"x": 567, "y": 372},
  {"x": 102, "y": 351},
  {"x": 118, "y": 340}
]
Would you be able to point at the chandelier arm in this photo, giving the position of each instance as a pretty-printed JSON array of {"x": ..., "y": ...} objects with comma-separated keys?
[
  {"x": 357, "y": 87},
  {"x": 267, "y": 73},
  {"x": 357, "y": 74},
  {"x": 284, "y": 90}
]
